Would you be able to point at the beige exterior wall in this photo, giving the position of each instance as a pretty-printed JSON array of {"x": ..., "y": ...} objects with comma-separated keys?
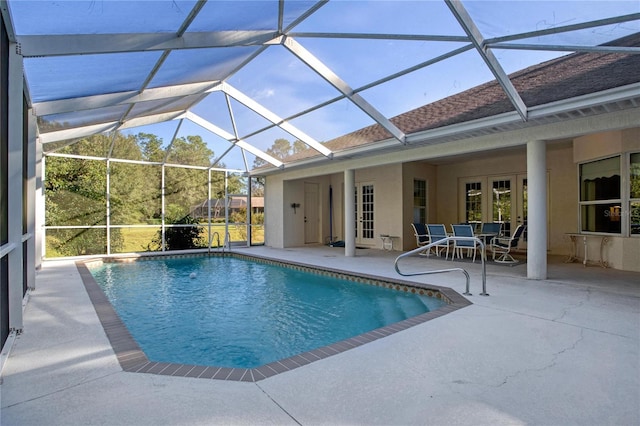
[
  {"x": 494, "y": 156},
  {"x": 421, "y": 171},
  {"x": 387, "y": 197},
  {"x": 618, "y": 251},
  {"x": 562, "y": 189}
]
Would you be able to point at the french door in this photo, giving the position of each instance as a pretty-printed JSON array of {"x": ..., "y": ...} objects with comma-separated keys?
[
  {"x": 509, "y": 202},
  {"x": 364, "y": 199}
]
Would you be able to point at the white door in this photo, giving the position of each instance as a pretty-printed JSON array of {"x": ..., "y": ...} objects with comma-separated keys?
[
  {"x": 311, "y": 216},
  {"x": 364, "y": 199},
  {"x": 503, "y": 202},
  {"x": 509, "y": 203}
]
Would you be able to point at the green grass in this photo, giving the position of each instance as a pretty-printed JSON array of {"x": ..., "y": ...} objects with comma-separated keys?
[{"x": 138, "y": 239}]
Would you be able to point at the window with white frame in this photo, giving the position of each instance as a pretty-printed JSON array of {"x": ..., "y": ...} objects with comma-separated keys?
[
  {"x": 473, "y": 202},
  {"x": 600, "y": 196},
  {"x": 419, "y": 201},
  {"x": 608, "y": 203}
]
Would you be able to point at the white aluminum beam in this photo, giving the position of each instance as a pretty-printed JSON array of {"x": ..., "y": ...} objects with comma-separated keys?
[
  {"x": 235, "y": 132},
  {"x": 327, "y": 74},
  {"x": 380, "y": 36},
  {"x": 8, "y": 21},
  {"x": 89, "y": 44},
  {"x": 110, "y": 99},
  {"x": 232, "y": 139},
  {"x": 313, "y": 9},
  {"x": 275, "y": 119},
  {"x": 150, "y": 119},
  {"x": 487, "y": 55},
  {"x": 62, "y": 135},
  {"x": 566, "y": 48},
  {"x": 566, "y": 28}
]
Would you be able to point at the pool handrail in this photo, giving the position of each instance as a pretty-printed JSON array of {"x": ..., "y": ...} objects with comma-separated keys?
[
  {"x": 217, "y": 235},
  {"x": 440, "y": 241}
]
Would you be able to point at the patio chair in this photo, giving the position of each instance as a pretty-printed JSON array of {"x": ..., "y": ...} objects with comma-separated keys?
[
  {"x": 438, "y": 232},
  {"x": 489, "y": 231},
  {"x": 459, "y": 246},
  {"x": 503, "y": 246},
  {"x": 422, "y": 236}
]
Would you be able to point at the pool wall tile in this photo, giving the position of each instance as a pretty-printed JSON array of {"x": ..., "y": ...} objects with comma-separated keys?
[
  {"x": 196, "y": 371},
  {"x": 170, "y": 370},
  {"x": 222, "y": 373},
  {"x": 236, "y": 374},
  {"x": 133, "y": 359},
  {"x": 209, "y": 372}
]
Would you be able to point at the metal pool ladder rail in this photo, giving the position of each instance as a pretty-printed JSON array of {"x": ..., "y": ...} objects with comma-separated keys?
[
  {"x": 447, "y": 239},
  {"x": 217, "y": 235}
]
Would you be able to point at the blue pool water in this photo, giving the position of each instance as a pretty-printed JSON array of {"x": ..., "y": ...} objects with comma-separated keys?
[{"x": 232, "y": 312}]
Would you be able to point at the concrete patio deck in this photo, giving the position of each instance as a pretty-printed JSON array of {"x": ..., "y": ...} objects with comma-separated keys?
[{"x": 561, "y": 351}]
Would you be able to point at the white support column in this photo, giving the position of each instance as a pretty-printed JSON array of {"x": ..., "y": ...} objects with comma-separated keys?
[
  {"x": 209, "y": 236},
  {"x": 108, "y": 206},
  {"x": 349, "y": 213},
  {"x": 32, "y": 257},
  {"x": 537, "y": 210},
  {"x": 249, "y": 212},
  {"x": 39, "y": 204},
  {"x": 163, "y": 203},
  {"x": 14, "y": 195},
  {"x": 227, "y": 243}
]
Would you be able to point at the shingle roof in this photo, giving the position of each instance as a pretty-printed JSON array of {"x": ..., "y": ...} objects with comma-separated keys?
[{"x": 559, "y": 79}]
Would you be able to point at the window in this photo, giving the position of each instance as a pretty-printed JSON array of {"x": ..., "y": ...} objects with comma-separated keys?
[
  {"x": 600, "y": 199},
  {"x": 634, "y": 194},
  {"x": 473, "y": 202},
  {"x": 419, "y": 201}
]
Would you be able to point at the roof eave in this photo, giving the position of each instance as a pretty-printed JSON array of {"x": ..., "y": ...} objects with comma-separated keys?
[{"x": 539, "y": 114}]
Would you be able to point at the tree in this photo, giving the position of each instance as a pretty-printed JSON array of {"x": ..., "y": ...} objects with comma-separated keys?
[
  {"x": 151, "y": 147},
  {"x": 281, "y": 149},
  {"x": 191, "y": 150},
  {"x": 75, "y": 195},
  {"x": 76, "y": 189},
  {"x": 178, "y": 238},
  {"x": 257, "y": 186},
  {"x": 185, "y": 188},
  {"x": 299, "y": 146}
]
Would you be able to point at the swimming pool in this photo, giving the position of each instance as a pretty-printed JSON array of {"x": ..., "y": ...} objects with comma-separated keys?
[{"x": 246, "y": 314}]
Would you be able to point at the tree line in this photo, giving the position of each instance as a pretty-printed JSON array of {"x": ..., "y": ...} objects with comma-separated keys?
[{"x": 76, "y": 189}]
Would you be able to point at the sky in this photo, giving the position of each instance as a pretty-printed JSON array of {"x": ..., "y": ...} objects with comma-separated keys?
[{"x": 278, "y": 80}]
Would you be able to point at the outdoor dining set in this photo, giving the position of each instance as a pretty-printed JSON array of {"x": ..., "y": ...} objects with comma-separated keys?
[{"x": 435, "y": 239}]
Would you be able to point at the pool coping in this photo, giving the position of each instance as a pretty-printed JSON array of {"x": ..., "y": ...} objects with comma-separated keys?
[{"x": 133, "y": 359}]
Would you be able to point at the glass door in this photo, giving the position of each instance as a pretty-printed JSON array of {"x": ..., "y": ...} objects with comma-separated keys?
[
  {"x": 502, "y": 200},
  {"x": 509, "y": 203}
]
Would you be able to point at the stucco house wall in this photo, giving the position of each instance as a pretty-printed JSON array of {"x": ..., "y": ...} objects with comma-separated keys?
[
  {"x": 444, "y": 167},
  {"x": 562, "y": 190},
  {"x": 422, "y": 171},
  {"x": 620, "y": 252}
]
